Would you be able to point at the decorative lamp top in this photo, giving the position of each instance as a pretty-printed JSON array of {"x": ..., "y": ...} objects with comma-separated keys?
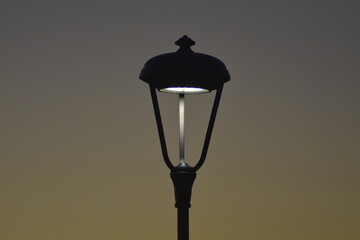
[{"x": 185, "y": 43}]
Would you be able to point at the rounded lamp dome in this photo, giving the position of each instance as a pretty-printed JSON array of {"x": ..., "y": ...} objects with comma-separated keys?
[{"x": 185, "y": 71}]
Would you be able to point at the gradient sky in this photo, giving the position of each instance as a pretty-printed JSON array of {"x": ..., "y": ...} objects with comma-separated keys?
[{"x": 80, "y": 157}]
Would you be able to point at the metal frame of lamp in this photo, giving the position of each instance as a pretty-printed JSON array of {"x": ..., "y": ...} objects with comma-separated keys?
[{"x": 184, "y": 72}]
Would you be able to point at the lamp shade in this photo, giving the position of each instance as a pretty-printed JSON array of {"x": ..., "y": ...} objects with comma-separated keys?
[{"x": 185, "y": 71}]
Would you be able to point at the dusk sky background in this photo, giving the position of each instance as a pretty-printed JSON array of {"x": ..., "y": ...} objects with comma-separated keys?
[{"x": 80, "y": 157}]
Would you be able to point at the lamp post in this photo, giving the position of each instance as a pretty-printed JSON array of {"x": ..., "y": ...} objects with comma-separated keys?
[{"x": 184, "y": 72}]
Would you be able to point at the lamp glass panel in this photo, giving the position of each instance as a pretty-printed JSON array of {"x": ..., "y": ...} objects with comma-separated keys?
[{"x": 183, "y": 90}]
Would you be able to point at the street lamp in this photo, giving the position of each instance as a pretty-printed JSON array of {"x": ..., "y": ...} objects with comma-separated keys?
[{"x": 184, "y": 72}]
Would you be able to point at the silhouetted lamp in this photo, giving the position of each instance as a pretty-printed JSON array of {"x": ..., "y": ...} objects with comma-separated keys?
[{"x": 184, "y": 72}]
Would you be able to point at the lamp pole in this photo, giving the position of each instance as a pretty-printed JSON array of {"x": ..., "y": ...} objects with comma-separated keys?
[{"x": 184, "y": 72}]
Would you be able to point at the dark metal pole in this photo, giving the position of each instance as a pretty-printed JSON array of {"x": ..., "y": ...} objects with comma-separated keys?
[{"x": 183, "y": 223}]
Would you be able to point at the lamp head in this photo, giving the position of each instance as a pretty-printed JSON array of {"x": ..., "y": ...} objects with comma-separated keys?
[{"x": 185, "y": 71}]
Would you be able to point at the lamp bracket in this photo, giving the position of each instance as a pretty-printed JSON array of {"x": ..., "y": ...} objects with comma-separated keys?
[
  {"x": 208, "y": 132},
  {"x": 183, "y": 177}
]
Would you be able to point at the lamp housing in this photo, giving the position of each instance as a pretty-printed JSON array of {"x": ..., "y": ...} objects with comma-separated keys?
[{"x": 185, "y": 71}]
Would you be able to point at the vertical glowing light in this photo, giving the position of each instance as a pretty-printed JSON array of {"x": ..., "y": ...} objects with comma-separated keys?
[{"x": 182, "y": 128}]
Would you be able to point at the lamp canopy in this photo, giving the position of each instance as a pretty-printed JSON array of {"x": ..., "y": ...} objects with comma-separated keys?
[{"x": 185, "y": 71}]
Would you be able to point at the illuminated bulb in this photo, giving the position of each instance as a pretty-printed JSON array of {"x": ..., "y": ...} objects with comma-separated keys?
[{"x": 184, "y": 90}]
